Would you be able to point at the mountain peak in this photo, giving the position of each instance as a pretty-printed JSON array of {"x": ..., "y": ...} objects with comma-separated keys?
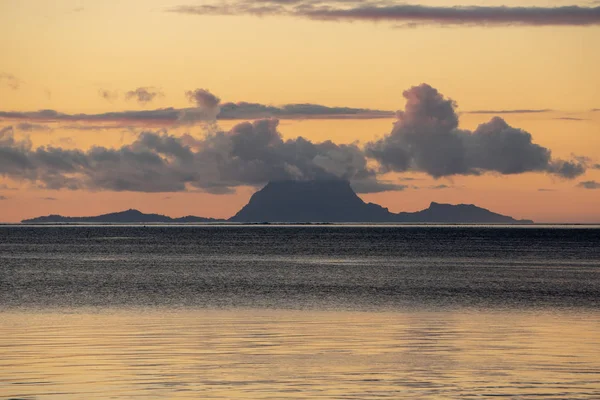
[
  {"x": 434, "y": 205},
  {"x": 309, "y": 201},
  {"x": 130, "y": 211}
]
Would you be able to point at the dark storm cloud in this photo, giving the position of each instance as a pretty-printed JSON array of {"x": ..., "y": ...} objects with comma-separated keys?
[
  {"x": 249, "y": 154},
  {"x": 398, "y": 12},
  {"x": 426, "y": 138},
  {"x": 589, "y": 185},
  {"x": 143, "y": 95},
  {"x": 3, "y": 198}
]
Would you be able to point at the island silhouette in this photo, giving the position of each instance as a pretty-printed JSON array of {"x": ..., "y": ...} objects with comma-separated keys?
[{"x": 308, "y": 201}]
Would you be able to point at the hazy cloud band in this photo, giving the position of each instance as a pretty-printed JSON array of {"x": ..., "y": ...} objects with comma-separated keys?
[
  {"x": 348, "y": 10},
  {"x": 228, "y": 111}
]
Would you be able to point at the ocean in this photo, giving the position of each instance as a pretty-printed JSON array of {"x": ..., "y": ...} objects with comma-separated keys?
[{"x": 304, "y": 312}]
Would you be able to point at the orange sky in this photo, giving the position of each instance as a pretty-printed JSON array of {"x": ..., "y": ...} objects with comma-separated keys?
[{"x": 58, "y": 55}]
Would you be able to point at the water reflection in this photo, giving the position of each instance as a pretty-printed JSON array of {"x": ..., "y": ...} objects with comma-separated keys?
[{"x": 267, "y": 354}]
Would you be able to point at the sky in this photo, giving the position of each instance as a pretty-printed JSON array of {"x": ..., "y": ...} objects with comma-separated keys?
[{"x": 187, "y": 107}]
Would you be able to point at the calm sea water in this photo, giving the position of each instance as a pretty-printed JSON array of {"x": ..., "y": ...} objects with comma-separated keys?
[{"x": 302, "y": 312}]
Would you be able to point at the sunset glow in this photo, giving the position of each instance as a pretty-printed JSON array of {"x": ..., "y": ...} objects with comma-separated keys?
[{"x": 100, "y": 107}]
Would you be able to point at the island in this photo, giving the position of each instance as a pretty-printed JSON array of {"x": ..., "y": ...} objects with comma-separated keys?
[
  {"x": 331, "y": 201},
  {"x": 122, "y": 217}
]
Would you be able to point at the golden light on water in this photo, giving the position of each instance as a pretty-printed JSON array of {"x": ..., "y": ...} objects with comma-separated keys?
[{"x": 260, "y": 354}]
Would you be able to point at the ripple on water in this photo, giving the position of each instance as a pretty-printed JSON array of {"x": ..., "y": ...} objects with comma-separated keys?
[{"x": 298, "y": 354}]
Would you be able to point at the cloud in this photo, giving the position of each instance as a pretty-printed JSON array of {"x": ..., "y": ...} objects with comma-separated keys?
[
  {"x": 99, "y": 127},
  {"x": 566, "y": 169},
  {"x": 395, "y": 12},
  {"x": 546, "y": 190},
  {"x": 249, "y": 154},
  {"x": 570, "y": 119},
  {"x": 426, "y": 138},
  {"x": 244, "y": 110},
  {"x": 144, "y": 95},
  {"x": 67, "y": 141},
  {"x": 522, "y": 111},
  {"x": 162, "y": 116},
  {"x": 589, "y": 185},
  {"x": 596, "y": 166},
  {"x": 10, "y": 81},
  {"x": 203, "y": 98},
  {"x": 438, "y": 187},
  {"x": 3, "y": 198},
  {"x": 374, "y": 186},
  {"x": 111, "y": 96},
  {"x": 49, "y": 198},
  {"x": 228, "y": 111},
  {"x": 207, "y": 107},
  {"x": 29, "y": 127}
]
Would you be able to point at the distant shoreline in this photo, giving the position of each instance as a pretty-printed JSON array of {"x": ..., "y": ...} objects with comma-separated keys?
[{"x": 275, "y": 224}]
